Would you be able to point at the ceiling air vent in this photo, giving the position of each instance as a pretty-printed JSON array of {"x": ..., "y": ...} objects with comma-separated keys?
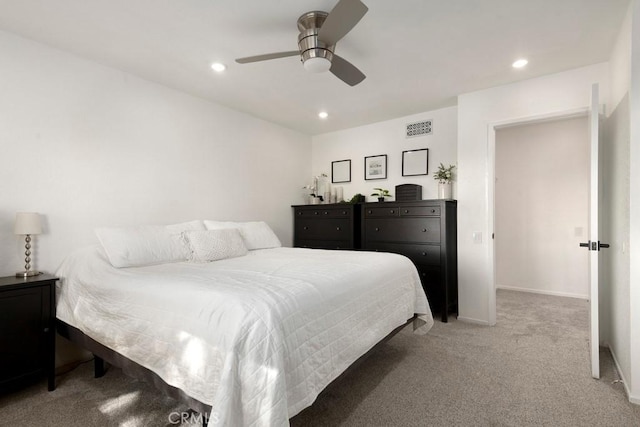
[{"x": 419, "y": 128}]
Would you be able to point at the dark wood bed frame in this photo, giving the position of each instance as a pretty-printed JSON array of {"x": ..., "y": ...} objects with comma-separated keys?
[{"x": 104, "y": 354}]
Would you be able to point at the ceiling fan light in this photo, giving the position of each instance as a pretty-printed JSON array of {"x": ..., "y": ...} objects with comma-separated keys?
[{"x": 317, "y": 64}]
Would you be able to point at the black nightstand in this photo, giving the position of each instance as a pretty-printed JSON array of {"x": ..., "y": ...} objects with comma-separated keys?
[{"x": 27, "y": 330}]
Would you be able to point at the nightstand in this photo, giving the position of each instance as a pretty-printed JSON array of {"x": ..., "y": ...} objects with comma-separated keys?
[{"x": 27, "y": 330}]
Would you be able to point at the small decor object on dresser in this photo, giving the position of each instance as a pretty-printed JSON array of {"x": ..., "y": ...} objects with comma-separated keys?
[
  {"x": 27, "y": 330},
  {"x": 408, "y": 192},
  {"x": 444, "y": 176},
  {"x": 381, "y": 193}
]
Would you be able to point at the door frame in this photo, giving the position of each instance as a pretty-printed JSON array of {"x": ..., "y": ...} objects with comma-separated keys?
[{"x": 491, "y": 182}]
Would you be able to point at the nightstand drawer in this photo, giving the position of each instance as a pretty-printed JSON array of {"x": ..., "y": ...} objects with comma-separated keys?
[
  {"x": 410, "y": 230},
  {"x": 27, "y": 330},
  {"x": 419, "y": 254}
]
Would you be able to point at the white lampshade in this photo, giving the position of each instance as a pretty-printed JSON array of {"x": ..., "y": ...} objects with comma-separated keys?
[{"x": 28, "y": 223}]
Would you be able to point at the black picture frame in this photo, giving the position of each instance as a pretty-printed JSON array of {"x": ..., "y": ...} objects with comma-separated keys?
[
  {"x": 340, "y": 171},
  {"x": 375, "y": 167},
  {"x": 415, "y": 162}
]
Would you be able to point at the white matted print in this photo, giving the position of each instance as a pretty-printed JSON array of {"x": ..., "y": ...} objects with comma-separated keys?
[
  {"x": 375, "y": 167},
  {"x": 415, "y": 162}
]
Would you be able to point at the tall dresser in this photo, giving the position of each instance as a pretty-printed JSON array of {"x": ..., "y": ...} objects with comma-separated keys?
[
  {"x": 330, "y": 226},
  {"x": 425, "y": 231}
]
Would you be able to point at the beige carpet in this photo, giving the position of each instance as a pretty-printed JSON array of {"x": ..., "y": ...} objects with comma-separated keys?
[{"x": 532, "y": 369}]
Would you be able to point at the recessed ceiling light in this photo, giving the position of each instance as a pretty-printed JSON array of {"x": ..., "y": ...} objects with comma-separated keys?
[
  {"x": 218, "y": 67},
  {"x": 520, "y": 63},
  {"x": 323, "y": 114}
]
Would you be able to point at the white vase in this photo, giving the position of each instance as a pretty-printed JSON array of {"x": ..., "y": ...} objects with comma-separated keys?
[{"x": 444, "y": 190}]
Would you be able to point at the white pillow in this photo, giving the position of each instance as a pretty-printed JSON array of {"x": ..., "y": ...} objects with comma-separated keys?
[
  {"x": 256, "y": 234},
  {"x": 143, "y": 245},
  {"x": 213, "y": 245},
  {"x": 186, "y": 226}
]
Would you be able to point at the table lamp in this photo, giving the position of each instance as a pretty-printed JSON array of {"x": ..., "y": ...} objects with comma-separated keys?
[{"x": 27, "y": 224}]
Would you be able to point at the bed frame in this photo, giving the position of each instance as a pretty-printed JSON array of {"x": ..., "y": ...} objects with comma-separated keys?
[{"x": 104, "y": 354}]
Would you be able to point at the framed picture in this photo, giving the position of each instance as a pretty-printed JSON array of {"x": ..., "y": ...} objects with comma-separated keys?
[
  {"x": 375, "y": 167},
  {"x": 415, "y": 162},
  {"x": 341, "y": 171}
]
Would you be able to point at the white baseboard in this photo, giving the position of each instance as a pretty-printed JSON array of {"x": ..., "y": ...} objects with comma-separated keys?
[
  {"x": 474, "y": 321},
  {"x": 632, "y": 398},
  {"x": 544, "y": 292}
]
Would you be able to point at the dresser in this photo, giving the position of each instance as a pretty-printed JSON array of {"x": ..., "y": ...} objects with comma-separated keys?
[
  {"x": 425, "y": 231},
  {"x": 330, "y": 226},
  {"x": 27, "y": 330}
]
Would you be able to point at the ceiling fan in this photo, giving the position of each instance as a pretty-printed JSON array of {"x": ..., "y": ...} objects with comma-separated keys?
[{"x": 319, "y": 33}]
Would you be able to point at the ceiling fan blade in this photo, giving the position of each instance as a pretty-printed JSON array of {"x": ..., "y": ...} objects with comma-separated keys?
[
  {"x": 342, "y": 18},
  {"x": 267, "y": 56},
  {"x": 346, "y": 71}
]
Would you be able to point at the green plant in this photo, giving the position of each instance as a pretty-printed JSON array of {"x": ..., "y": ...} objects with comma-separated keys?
[
  {"x": 357, "y": 198},
  {"x": 444, "y": 174},
  {"x": 381, "y": 192}
]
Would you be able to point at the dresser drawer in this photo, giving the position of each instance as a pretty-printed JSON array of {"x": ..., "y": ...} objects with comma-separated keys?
[
  {"x": 381, "y": 212},
  {"x": 324, "y": 213},
  {"x": 410, "y": 230},
  {"x": 419, "y": 254},
  {"x": 420, "y": 211},
  {"x": 328, "y": 229}
]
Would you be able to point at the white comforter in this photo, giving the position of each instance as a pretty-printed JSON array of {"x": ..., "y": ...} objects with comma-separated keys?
[{"x": 256, "y": 337}]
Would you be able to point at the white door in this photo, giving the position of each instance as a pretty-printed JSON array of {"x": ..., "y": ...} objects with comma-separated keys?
[{"x": 594, "y": 245}]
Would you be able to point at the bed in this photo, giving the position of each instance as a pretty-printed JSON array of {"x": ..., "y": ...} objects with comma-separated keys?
[{"x": 254, "y": 338}]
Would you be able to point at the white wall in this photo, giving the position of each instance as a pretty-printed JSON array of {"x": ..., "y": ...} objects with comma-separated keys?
[
  {"x": 477, "y": 111},
  {"x": 615, "y": 282},
  {"x": 87, "y": 145},
  {"x": 541, "y": 207},
  {"x": 634, "y": 191},
  {"x": 388, "y": 138}
]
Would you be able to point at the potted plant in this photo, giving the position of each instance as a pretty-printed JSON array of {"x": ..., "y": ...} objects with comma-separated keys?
[
  {"x": 444, "y": 176},
  {"x": 381, "y": 193}
]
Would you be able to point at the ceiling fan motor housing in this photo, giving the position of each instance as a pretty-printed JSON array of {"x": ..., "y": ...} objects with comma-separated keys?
[{"x": 314, "y": 53}]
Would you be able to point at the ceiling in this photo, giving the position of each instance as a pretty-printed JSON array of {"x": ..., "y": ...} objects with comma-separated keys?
[{"x": 418, "y": 55}]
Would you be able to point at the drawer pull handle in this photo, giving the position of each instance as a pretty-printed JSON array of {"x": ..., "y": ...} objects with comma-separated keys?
[
  {"x": 369, "y": 212},
  {"x": 326, "y": 213},
  {"x": 305, "y": 228},
  {"x": 424, "y": 230},
  {"x": 406, "y": 211},
  {"x": 344, "y": 212},
  {"x": 299, "y": 213},
  {"x": 46, "y": 330},
  {"x": 424, "y": 254},
  {"x": 315, "y": 213},
  {"x": 392, "y": 211},
  {"x": 338, "y": 228},
  {"x": 433, "y": 211},
  {"x": 377, "y": 229}
]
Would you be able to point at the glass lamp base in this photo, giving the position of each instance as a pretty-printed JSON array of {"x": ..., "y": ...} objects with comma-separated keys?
[{"x": 28, "y": 273}]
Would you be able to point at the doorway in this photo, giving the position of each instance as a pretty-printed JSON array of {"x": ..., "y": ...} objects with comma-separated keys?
[
  {"x": 492, "y": 129},
  {"x": 541, "y": 206}
]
